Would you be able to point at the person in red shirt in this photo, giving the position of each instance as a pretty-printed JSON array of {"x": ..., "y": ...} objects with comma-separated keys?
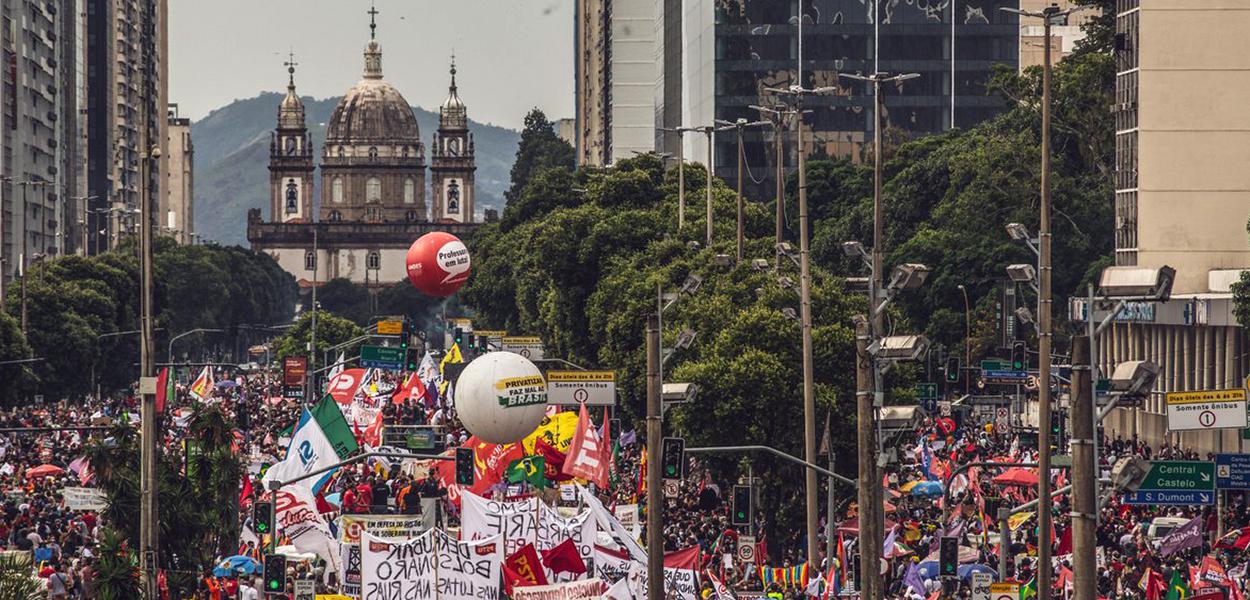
[
  {"x": 364, "y": 496},
  {"x": 349, "y": 500}
]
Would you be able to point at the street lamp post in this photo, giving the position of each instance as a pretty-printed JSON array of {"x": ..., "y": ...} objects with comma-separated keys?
[
  {"x": 738, "y": 126},
  {"x": 170, "y": 353},
  {"x": 1049, "y": 16},
  {"x": 681, "y": 171}
]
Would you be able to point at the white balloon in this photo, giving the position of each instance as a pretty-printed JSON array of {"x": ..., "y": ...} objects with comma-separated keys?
[{"x": 501, "y": 397}]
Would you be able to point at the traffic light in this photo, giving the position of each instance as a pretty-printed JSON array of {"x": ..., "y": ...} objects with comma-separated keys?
[
  {"x": 457, "y": 336},
  {"x": 262, "y": 518},
  {"x": 1058, "y": 428},
  {"x": 403, "y": 334},
  {"x": 952, "y": 369},
  {"x": 1019, "y": 356},
  {"x": 948, "y": 557},
  {"x": 412, "y": 360},
  {"x": 742, "y": 505},
  {"x": 470, "y": 342},
  {"x": 275, "y": 573},
  {"x": 483, "y": 344},
  {"x": 673, "y": 458},
  {"x": 464, "y": 466}
]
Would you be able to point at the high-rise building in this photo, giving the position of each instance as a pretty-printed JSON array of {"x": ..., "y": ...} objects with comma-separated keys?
[
  {"x": 126, "y": 91},
  {"x": 717, "y": 57},
  {"x": 1182, "y": 199},
  {"x": 37, "y": 132},
  {"x": 1063, "y": 37},
  {"x": 179, "y": 189},
  {"x": 615, "y": 74}
]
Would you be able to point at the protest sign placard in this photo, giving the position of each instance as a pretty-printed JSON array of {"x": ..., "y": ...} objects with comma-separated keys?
[
  {"x": 554, "y": 529},
  {"x": 398, "y": 569},
  {"x": 516, "y": 521},
  {"x": 572, "y": 590},
  {"x": 81, "y": 498},
  {"x": 469, "y": 569}
]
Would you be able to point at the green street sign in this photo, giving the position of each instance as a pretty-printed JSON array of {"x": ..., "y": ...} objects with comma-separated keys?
[
  {"x": 926, "y": 391},
  {"x": 1166, "y": 475},
  {"x": 995, "y": 365},
  {"x": 382, "y": 357}
]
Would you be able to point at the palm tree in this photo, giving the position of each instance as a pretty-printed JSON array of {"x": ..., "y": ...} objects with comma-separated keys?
[{"x": 17, "y": 582}]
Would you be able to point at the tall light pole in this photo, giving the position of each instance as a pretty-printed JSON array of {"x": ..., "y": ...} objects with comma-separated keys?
[
  {"x": 967, "y": 336},
  {"x": 681, "y": 171},
  {"x": 778, "y": 116},
  {"x": 739, "y": 126},
  {"x": 812, "y": 486},
  {"x": 1049, "y": 16},
  {"x": 655, "y": 501},
  {"x": 149, "y": 525}
]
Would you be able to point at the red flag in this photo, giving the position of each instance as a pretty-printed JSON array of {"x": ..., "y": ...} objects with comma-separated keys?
[
  {"x": 344, "y": 385},
  {"x": 1065, "y": 543},
  {"x": 687, "y": 559},
  {"x": 245, "y": 494},
  {"x": 489, "y": 463},
  {"x": 584, "y": 459},
  {"x": 524, "y": 568},
  {"x": 563, "y": 558},
  {"x": 411, "y": 390},
  {"x": 373, "y": 433},
  {"x": 162, "y": 387},
  {"x": 553, "y": 460},
  {"x": 1154, "y": 586}
]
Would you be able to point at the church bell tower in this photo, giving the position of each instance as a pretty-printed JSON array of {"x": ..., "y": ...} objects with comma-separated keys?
[
  {"x": 290, "y": 160},
  {"x": 451, "y": 162}
]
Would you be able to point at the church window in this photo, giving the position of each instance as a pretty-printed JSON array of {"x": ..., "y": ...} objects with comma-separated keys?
[
  {"x": 411, "y": 216},
  {"x": 410, "y": 190},
  {"x": 291, "y": 146},
  {"x": 373, "y": 190},
  {"x": 310, "y": 261},
  {"x": 292, "y": 197},
  {"x": 336, "y": 216},
  {"x": 373, "y": 260},
  {"x": 340, "y": 152},
  {"x": 373, "y": 151},
  {"x": 337, "y": 189},
  {"x": 453, "y": 197},
  {"x": 404, "y": 151},
  {"x": 373, "y": 214}
]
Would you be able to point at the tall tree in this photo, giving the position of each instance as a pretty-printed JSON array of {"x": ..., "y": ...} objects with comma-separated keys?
[{"x": 540, "y": 148}]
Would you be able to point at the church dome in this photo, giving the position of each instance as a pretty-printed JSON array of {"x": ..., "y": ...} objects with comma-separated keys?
[
  {"x": 372, "y": 111},
  {"x": 452, "y": 114}
]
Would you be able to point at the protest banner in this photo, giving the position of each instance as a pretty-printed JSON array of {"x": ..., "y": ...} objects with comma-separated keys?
[
  {"x": 516, "y": 521},
  {"x": 351, "y": 569},
  {"x": 81, "y": 498},
  {"x": 627, "y": 514},
  {"x": 553, "y": 529},
  {"x": 391, "y": 570},
  {"x": 572, "y": 590},
  {"x": 469, "y": 569},
  {"x": 611, "y": 565},
  {"x": 386, "y": 527},
  {"x": 298, "y": 518}
]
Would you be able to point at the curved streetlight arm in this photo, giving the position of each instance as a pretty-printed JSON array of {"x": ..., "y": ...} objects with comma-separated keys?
[{"x": 170, "y": 354}]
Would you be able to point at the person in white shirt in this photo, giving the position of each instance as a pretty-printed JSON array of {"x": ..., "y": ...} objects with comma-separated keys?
[{"x": 247, "y": 592}]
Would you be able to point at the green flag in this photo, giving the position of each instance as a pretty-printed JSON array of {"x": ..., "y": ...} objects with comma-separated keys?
[
  {"x": 1178, "y": 587},
  {"x": 1029, "y": 590},
  {"x": 335, "y": 427},
  {"x": 531, "y": 469}
]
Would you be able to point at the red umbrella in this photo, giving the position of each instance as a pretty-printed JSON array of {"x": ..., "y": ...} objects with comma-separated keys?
[
  {"x": 43, "y": 471},
  {"x": 1017, "y": 476}
]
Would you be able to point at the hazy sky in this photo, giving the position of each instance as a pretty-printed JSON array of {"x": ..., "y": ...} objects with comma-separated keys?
[{"x": 511, "y": 55}]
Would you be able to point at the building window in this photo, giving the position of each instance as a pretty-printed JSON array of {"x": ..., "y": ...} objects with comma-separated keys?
[
  {"x": 373, "y": 260},
  {"x": 335, "y": 216},
  {"x": 292, "y": 197},
  {"x": 373, "y": 190},
  {"x": 453, "y": 197},
  {"x": 341, "y": 152},
  {"x": 411, "y": 216},
  {"x": 373, "y": 214},
  {"x": 410, "y": 191},
  {"x": 404, "y": 151},
  {"x": 337, "y": 189},
  {"x": 310, "y": 261},
  {"x": 373, "y": 151}
]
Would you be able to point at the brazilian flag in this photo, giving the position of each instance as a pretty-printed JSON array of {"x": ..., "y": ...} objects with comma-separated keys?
[
  {"x": 529, "y": 469},
  {"x": 1178, "y": 587},
  {"x": 1029, "y": 590}
]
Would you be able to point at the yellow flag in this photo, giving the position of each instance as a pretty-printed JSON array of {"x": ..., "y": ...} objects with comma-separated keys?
[
  {"x": 453, "y": 356},
  {"x": 556, "y": 430},
  {"x": 1015, "y": 521}
]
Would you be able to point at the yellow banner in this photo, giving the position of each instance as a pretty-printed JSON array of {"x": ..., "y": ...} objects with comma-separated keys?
[
  {"x": 557, "y": 431},
  {"x": 1015, "y": 521}
]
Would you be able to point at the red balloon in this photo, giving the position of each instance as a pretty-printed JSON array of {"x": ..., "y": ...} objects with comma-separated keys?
[{"x": 438, "y": 264}]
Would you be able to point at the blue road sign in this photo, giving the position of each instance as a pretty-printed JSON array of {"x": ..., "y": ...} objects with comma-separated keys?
[
  {"x": 1232, "y": 471},
  {"x": 1179, "y": 497}
]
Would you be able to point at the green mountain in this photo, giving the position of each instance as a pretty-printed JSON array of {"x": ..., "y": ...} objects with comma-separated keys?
[{"x": 232, "y": 160}]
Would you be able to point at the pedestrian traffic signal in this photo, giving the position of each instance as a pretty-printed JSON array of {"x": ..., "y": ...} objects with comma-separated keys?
[
  {"x": 742, "y": 505},
  {"x": 673, "y": 458},
  {"x": 464, "y": 466},
  {"x": 275, "y": 573},
  {"x": 948, "y": 557},
  {"x": 262, "y": 518},
  {"x": 1019, "y": 356},
  {"x": 952, "y": 369}
]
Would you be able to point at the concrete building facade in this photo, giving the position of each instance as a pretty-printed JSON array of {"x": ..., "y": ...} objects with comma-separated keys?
[
  {"x": 615, "y": 75},
  {"x": 179, "y": 189},
  {"x": 1182, "y": 199},
  {"x": 1063, "y": 37}
]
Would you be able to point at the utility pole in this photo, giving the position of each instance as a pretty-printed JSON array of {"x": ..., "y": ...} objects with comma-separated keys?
[
  {"x": 1084, "y": 502},
  {"x": 149, "y": 524},
  {"x": 708, "y": 188},
  {"x": 311, "y": 396},
  {"x": 738, "y": 127},
  {"x": 869, "y": 503},
  {"x": 655, "y": 500},
  {"x": 1049, "y": 16},
  {"x": 778, "y": 116}
]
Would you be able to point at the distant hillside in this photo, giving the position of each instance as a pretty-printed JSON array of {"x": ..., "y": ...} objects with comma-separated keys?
[{"x": 232, "y": 160}]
